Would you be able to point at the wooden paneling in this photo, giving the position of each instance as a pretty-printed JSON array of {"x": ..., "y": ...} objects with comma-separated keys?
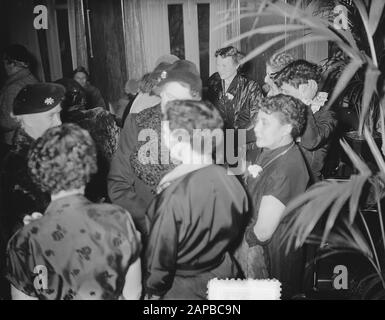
[{"x": 107, "y": 66}]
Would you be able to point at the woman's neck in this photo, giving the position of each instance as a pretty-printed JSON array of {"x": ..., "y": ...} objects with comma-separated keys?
[
  {"x": 67, "y": 193},
  {"x": 284, "y": 142}
]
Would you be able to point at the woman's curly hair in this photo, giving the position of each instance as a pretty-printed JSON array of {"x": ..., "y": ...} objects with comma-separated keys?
[
  {"x": 190, "y": 115},
  {"x": 290, "y": 110},
  {"x": 230, "y": 52},
  {"x": 297, "y": 73},
  {"x": 64, "y": 158},
  {"x": 279, "y": 61}
]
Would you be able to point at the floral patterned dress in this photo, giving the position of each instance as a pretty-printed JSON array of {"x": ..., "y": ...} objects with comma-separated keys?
[{"x": 83, "y": 250}]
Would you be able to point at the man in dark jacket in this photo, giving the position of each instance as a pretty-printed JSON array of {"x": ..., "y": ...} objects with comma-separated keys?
[
  {"x": 16, "y": 61},
  {"x": 235, "y": 96},
  {"x": 132, "y": 182},
  {"x": 300, "y": 79}
]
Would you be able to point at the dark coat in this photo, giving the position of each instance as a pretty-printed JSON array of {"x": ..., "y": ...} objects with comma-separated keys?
[
  {"x": 132, "y": 184},
  {"x": 20, "y": 196},
  {"x": 103, "y": 129},
  {"x": 316, "y": 138},
  {"x": 238, "y": 105}
]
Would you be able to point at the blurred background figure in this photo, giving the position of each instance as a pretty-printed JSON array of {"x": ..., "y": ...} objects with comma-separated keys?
[
  {"x": 17, "y": 61},
  {"x": 91, "y": 251},
  {"x": 102, "y": 125},
  {"x": 94, "y": 97}
]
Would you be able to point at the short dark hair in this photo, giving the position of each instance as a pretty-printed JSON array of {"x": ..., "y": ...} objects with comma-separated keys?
[
  {"x": 230, "y": 52},
  {"x": 191, "y": 115},
  {"x": 291, "y": 111},
  {"x": 297, "y": 73},
  {"x": 64, "y": 158},
  {"x": 80, "y": 69}
]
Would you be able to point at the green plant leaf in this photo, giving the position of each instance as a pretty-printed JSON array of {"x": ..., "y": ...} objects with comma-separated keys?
[
  {"x": 266, "y": 29},
  {"x": 374, "y": 149},
  {"x": 370, "y": 87},
  {"x": 257, "y": 51},
  {"x": 355, "y": 159},
  {"x": 376, "y": 10},
  {"x": 304, "y": 40},
  {"x": 344, "y": 79}
]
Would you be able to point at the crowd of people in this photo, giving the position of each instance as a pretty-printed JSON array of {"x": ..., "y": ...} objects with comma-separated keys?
[{"x": 148, "y": 205}]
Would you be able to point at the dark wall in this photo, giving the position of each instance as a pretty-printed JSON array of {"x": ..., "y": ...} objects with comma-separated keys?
[
  {"x": 108, "y": 66},
  {"x": 4, "y": 37}
]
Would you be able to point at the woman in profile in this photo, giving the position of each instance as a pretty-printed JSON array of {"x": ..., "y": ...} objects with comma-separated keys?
[
  {"x": 87, "y": 250},
  {"x": 278, "y": 175}
]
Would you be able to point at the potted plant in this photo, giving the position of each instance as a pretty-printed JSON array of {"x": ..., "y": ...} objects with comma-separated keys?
[{"x": 339, "y": 204}]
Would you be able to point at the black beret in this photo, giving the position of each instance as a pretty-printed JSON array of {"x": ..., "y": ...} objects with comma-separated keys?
[{"x": 37, "y": 98}]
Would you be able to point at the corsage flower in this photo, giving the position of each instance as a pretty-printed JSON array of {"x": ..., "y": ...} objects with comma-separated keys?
[
  {"x": 319, "y": 101},
  {"x": 229, "y": 96},
  {"x": 255, "y": 170}
]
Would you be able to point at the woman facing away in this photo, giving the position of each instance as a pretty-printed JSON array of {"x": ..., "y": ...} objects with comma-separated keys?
[
  {"x": 198, "y": 212},
  {"x": 81, "y": 249},
  {"x": 278, "y": 175}
]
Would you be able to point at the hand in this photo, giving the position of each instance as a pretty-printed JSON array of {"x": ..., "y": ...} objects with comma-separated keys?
[{"x": 151, "y": 297}]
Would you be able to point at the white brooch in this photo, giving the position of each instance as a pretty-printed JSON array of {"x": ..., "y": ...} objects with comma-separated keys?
[
  {"x": 163, "y": 75},
  {"x": 49, "y": 101},
  {"x": 255, "y": 170},
  {"x": 229, "y": 96}
]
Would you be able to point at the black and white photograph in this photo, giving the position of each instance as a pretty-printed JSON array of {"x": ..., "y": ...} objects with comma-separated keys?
[{"x": 211, "y": 151}]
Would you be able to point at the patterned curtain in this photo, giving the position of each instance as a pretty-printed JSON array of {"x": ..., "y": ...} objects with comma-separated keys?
[{"x": 134, "y": 39}]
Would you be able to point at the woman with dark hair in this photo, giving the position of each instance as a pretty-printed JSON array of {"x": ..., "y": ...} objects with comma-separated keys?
[
  {"x": 81, "y": 249},
  {"x": 198, "y": 212},
  {"x": 278, "y": 175},
  {"x": 301, "y": 80},
  {"x": 94, "y": 97},
  {"x": 234, "y": 95}
]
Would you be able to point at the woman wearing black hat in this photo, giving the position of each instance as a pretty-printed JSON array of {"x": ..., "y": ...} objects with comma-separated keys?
[
  {"x": 36, "y": 108},
  {"x": 87, "y": 250}
]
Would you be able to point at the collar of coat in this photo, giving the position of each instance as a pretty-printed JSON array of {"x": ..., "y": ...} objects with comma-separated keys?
[
  {"x": 22, "y": 142},
  {"x": 23, "y": 73},
  {"x": 178, "y": 172}
]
